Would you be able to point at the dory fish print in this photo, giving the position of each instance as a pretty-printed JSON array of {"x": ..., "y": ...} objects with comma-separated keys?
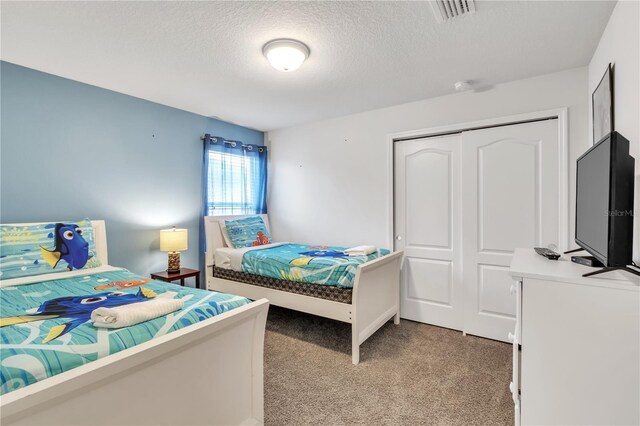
[
  {"x": 70, "y": 246},
  {"x": 78, "y": 309},
  {"x": 313, "y": 254}
]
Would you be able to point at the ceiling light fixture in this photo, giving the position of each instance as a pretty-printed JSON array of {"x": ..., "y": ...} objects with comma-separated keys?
[{"x": 285, "y": 54}]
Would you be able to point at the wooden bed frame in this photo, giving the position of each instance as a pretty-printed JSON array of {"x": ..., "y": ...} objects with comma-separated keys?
[
  {"x": 208, "y": 373},
  {"x": 375, "y": 298}
]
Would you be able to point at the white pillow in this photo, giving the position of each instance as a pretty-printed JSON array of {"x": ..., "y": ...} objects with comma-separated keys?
[{"x": 225, "y": 234}]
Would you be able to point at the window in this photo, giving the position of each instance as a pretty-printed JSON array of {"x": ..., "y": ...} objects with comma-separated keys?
[{"x": 236, "y": 178}]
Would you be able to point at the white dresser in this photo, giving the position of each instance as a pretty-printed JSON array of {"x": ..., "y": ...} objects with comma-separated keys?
[{"x": 576, "y": 346}]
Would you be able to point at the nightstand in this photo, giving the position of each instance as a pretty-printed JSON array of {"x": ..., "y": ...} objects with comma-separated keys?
[{"x": 184, "y": 273}]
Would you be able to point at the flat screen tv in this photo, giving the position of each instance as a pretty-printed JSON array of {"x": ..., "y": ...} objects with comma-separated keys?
[{"x": 604, "y": 202}]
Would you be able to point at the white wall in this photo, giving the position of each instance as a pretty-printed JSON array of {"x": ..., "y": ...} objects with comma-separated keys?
[
  {"x": 620, "y": 45},
  {"x": 330, "y": 183}
]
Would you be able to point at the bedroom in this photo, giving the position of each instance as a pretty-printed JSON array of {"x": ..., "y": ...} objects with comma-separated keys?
[{"x": 104, "y": 108}]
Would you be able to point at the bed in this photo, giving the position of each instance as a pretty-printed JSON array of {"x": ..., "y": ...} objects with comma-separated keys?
[
  {"x": 367, "y": 305},
  {"x": 207, "y": 371}
]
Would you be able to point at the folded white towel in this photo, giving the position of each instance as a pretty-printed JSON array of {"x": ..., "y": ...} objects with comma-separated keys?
[
  {"x": 134, "y": 313},
  {"x": 361, "y": 250}
]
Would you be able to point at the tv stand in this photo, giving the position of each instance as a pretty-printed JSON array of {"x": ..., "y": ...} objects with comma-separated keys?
[
  {"x": 574, "y": 251},
  {"x": 612, "y": 268}
]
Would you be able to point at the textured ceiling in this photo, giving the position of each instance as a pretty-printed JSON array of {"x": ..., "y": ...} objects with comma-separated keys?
[{"x": 205, "y": 57}]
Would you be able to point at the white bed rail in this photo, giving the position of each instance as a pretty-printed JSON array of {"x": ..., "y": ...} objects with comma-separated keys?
[
  {"x": 376, "y": 298},
  {"x": 208, "y": 373}
]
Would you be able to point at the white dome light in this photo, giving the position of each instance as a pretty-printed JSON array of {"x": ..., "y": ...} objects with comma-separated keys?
[{"x": 286, "y": 55}]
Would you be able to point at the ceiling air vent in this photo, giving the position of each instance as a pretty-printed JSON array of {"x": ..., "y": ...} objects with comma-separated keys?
[{"x": 446, "y": 10}]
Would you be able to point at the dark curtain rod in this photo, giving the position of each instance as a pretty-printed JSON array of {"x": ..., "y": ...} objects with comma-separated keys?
[
  {"x": 261, "y": 148},
  {"x": 204, "y": 138}
]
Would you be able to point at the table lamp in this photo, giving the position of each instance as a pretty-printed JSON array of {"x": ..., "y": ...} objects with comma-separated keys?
[{"x": 173, "y": 241}]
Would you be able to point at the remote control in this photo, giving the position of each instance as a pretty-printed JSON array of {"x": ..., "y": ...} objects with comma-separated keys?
[{"x": 549, "y": 254}]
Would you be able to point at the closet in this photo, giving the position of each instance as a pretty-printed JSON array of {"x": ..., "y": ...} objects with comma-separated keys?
[{"x": 463, "y": 202}]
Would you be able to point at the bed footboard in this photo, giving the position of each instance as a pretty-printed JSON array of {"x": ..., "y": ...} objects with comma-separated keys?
[
  {"x": 376, "y": 298},
  {"x": 207, "y": 373}
]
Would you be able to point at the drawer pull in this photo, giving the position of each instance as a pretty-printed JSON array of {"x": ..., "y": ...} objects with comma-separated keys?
[{"x": 511, "y": 336}]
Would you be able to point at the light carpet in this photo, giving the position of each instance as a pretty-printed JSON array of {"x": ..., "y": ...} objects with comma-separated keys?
[{"x": 410, "y": 374}]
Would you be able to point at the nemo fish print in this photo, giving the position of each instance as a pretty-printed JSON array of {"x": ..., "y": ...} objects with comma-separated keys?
[{"x": 124, "y": 284}]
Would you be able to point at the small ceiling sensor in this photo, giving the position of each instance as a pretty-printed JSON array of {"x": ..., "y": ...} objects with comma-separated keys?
[
  {"x": 463, "y": 86},
  {"x": 286, "y": 55}
]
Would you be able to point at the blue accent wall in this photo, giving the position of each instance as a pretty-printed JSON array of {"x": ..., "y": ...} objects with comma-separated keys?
[{"x": 70, "y": 150}]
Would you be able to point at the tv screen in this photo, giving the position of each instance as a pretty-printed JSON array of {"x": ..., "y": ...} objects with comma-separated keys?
[
  {"x": 604, "y": 201},
  {"x": 592, "y": 199}
]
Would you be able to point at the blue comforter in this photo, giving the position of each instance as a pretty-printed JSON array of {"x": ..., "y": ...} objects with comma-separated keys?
[
  {"x": 45, "y": 327},
  {"x": 307, "y": 264}
]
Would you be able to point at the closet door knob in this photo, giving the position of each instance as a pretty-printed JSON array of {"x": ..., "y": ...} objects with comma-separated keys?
[{"x": 399, "y": 237}]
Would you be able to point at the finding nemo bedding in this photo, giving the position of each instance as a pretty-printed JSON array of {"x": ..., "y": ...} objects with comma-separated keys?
[
  {"x": 323, "y": 265},
  {"x": 45, "y": 327}
]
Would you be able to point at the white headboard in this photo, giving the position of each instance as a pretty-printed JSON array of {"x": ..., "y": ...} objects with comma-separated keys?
[
  {"x": 213, "y": 234},
  {"x": 99, "y": 234}
]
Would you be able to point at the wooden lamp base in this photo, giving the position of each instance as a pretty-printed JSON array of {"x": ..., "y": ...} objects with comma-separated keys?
[{"x": 173, "y": 264}]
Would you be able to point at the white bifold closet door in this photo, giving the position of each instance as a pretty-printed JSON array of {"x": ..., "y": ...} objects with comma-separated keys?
[
  {"x": 510, "y": 184},
  {"x": 427, "y": 226},
  {"x": 463, "y": 203}
]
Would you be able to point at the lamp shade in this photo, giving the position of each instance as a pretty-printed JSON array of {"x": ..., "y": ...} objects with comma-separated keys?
[{"x": 173, "y": 239}]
